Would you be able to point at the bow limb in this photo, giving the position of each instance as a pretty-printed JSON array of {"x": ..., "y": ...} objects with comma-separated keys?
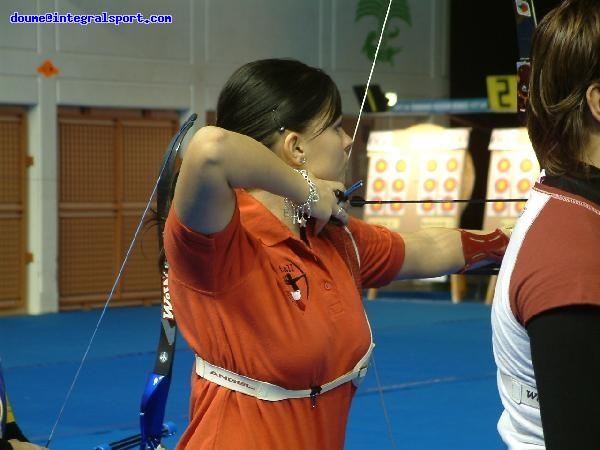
[
  {"x": 154, "y": 398},
  {"x": 172, "y": 150}
]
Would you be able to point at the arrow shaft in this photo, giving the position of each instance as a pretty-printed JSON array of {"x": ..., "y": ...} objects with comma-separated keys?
[{"x": 357, "y": 201}]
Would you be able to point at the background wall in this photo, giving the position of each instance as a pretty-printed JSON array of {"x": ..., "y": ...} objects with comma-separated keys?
[
  {"x": 483, "y": 42},
  {"x": 182, "y": 66}
]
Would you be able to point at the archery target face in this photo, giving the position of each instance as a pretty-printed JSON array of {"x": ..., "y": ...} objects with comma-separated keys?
[
  {"x": 387, "y": 180},
  {"x": 439, "y": 178},
  {"x": 421, "y": 162},
  {"x": 512, "y": 174}
]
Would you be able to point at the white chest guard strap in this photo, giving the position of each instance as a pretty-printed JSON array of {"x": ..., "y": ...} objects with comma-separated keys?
[
  {"x": 520, "y": 392},
  {"x": 271, "y": 392}
]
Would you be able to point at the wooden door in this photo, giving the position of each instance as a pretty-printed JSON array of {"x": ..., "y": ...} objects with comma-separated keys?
[
  {"x": 108, "y": 164},
  {"x": 13, "y": 200}
]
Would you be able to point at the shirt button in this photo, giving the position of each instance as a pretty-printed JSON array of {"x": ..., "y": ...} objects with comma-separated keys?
[{"x": 327, "y": 285}]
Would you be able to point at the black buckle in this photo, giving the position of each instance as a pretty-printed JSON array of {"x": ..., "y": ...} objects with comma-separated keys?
[{"x": 314, "y": 391}]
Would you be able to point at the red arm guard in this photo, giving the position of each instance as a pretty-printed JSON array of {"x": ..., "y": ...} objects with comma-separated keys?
[{"x": 482, "y": 247}]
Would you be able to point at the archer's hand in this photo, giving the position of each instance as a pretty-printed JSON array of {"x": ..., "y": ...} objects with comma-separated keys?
[{"x": 327, "y": 206}]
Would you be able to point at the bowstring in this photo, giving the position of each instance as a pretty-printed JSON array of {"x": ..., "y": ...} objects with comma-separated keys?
[
  {"x": 102, "y": 314},
  {"x": 136, "y": 235},
  {"x": 386, "y": 415},
  {"x": 360, "y": 111},
  {"x": 362, "y": 104}
]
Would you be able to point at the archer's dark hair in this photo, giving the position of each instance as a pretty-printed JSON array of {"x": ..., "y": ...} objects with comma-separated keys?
[
  {"x": 263, "y": 97},
  {"x": 565, "y": 62}
]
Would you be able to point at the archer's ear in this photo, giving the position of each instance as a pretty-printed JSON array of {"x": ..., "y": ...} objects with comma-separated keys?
[
  {"x": 293, "y": 154},
  {"x": 593, "y": 100}
]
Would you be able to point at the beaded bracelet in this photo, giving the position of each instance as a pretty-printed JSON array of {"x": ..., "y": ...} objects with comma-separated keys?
[{"x": 299, "y": 213}]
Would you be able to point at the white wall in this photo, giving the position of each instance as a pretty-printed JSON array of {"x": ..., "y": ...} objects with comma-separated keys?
[{"x": 183, "y": 66}]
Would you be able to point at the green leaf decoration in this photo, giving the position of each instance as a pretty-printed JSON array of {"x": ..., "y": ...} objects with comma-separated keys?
[{"x": 378, "y": 9}]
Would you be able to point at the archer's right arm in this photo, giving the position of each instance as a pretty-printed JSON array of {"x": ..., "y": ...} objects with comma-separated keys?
[{"x": 217, "y": 161}]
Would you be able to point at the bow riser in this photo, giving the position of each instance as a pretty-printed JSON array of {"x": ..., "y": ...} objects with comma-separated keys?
[
  {"x": 154, "y": 401},
  {"x": 526, "y": 22}
]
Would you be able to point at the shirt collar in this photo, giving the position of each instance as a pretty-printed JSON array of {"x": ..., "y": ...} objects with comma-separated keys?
[
  {"x": 585, "y": 185},
  {"x": 260, "y": 221}
]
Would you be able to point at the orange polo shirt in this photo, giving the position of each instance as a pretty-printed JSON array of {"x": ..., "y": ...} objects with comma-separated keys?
[{"x": 232, "y": 297}]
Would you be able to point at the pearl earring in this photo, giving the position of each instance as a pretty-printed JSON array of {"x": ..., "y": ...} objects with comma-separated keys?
[{"x": 302, "y": 160}]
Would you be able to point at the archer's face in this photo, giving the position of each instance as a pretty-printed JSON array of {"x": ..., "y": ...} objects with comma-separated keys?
[{"x": 327, "y": 152}]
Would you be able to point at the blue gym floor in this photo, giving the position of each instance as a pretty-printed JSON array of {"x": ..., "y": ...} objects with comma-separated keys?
[{"x": 433, "y": 358}]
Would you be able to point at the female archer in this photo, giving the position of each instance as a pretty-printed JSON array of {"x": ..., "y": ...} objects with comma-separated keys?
[
  {"x": 546, "y": 313},
  {"x": 265, "y": 288}
]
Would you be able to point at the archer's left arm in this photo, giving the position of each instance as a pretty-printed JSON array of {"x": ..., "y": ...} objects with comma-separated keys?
[
  {"x": 566, "y": 362},
  {"x": 432, "y": 252}
]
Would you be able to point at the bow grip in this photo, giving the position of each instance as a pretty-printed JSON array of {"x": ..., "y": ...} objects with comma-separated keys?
[{"x": 152, "y": 409}]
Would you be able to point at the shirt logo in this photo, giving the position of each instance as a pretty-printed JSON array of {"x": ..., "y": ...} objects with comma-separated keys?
[{"x": 294, "y": 277}]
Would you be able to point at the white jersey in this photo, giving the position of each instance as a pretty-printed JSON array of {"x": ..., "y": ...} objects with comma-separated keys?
[
  {"x": 546, "y": 265},
  {"x": 520, "y": 425}
]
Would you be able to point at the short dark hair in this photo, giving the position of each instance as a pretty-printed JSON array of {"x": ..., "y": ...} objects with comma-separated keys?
[
  {"x": 263, "y": 96},
  {"x": 565, "y": 62}
]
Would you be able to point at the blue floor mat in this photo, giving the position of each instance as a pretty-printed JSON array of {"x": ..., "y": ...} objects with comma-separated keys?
[{"x": 433, "y": 358}]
